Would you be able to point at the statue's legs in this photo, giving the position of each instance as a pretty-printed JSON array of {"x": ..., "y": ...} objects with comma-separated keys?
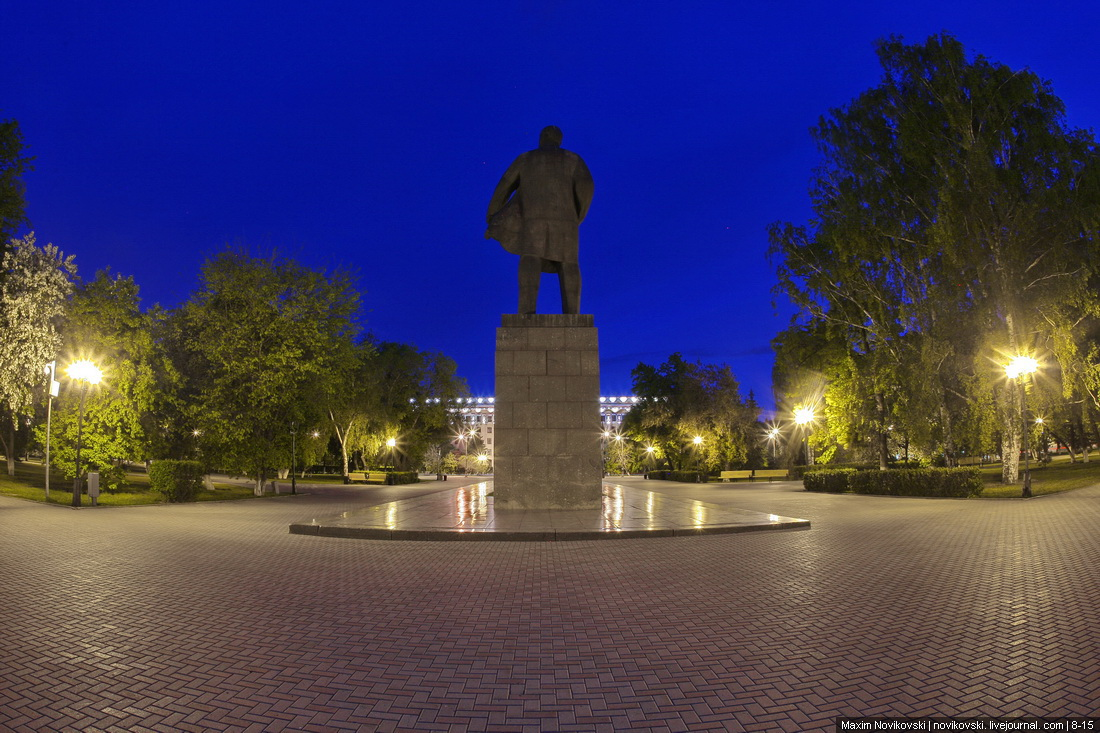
[
  {"x": 569, "y": 279},
  {"x": 530, "y": 270}
]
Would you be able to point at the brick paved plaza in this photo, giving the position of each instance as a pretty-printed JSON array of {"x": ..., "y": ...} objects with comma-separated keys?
[{"x": 214, "y": 617}]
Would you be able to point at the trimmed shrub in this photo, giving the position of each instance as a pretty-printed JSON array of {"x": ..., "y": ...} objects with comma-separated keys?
[
  {"x": 402, "y": 477},
  {"x": 688, "y": 477},
  {"x": 833, "y": 480},
  {"x": 684, "y": 477},
  {"x": 954, "y": 482},
  {"x": 176, "y": 480}
]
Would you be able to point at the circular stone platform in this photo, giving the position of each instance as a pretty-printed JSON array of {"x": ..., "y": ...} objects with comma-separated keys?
[{"x": 467, "y": 513}]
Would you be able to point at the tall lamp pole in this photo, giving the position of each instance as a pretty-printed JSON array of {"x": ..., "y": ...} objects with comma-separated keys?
[
  {"x": 55, "y": 387},
  {"x": 1018, "y": 369},
  {"x": 293, "y": 457},
  {"x": 804, "y": 416},
  {"x": 86, "y": 373}
]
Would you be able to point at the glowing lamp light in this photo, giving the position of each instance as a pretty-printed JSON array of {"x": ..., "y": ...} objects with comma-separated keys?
[
  {"x": 391, "y": 442},
  {"x": 85, "y": 371},
  {"x": 697, "y": 440},
  {"x": 1021, "y": 365},
  {"x": 803, "y": 415}
]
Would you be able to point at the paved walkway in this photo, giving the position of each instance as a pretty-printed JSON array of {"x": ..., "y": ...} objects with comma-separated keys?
[
  {"x": 468, "y": 513},
  {"x": 214, "y": 617}
]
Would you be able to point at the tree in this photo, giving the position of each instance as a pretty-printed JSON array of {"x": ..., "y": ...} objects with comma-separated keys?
[
  {"x": 264, "y": 342},
  {"x": 13, "y": 164},
  {"x": 121, "y": 423},
  {"x": 34, "y": 284},
  {"x": 681, "y": 400},
  {"x": 409, "y": 396},
  {"x": 351, "y": 403},
  {"x": 953, "y": 199}
]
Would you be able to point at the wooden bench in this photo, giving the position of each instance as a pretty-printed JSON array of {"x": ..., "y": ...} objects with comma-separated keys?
[
  {"x": 769, "y": 473},
  {"x": 734, "y": 475},
  {"x": 366, "y": 477},
  {"x": 971, "y": 461}
]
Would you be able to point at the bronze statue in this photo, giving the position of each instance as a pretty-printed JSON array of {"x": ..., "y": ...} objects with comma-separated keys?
[{"x": 535, "y": 212}]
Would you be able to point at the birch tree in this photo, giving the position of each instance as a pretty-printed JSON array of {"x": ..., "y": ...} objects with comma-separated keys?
[{"x": 34, "y": 285}]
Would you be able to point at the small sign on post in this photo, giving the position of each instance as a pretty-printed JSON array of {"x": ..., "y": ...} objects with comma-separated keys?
[{"x": 93, "y": 486}]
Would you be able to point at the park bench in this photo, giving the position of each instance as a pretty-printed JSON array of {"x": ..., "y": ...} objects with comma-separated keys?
[
  {"x": 769, "y": 473},
  {"x": 366, "y": 477},
  {"x": 734, "y": 475},
  {"x": 971, "y": 461}
]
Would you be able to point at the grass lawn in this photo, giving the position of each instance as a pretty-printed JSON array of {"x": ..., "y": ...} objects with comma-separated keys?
[
  {"x": 1051, "y": 478},
  {"x": 29, "y": 482}
]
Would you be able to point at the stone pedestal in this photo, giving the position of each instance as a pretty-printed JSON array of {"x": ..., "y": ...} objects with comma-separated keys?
[{"x": 547, "y": 444}]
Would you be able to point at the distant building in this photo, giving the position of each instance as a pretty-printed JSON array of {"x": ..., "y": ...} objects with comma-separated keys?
[{"x": 477, "y": 414}]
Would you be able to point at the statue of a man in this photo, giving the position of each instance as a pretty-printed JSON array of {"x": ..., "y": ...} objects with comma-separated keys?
[{"x": 535, "y": 211}]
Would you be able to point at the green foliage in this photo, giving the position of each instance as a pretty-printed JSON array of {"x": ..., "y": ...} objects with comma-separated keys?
[
  {"x": 34, "y": 283},
  {"x": 13, "y": 164},
  {"x": 176, "y": 481},
  {"x": 394, "y": 478},
  {"x": 688, "y": 477},
  {"x": 262, "y": 342},
  {"x": 121, "y": 414},
  {"x": 833, "y": 480},
  {"x": 939, "y": 482},
  {"x": 401, "y": 393},
  {"x": 680, "y": 400},
  {"x": 955, "y": 224}
]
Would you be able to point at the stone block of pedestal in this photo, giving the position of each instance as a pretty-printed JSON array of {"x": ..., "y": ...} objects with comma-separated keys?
[{"x": 547, "y": 444}]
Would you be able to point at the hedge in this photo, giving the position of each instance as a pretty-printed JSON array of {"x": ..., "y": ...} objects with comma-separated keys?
[
  {"x": 402, "y": 477},
  {"x": 828, "y": 479},
  {"x": 956, "y": 482},
  {"x": 176, "y": 480},
  {"x": 684, "y": 477}
]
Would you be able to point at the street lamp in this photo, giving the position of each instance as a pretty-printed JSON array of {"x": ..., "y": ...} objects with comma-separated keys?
[
  {"x": 773, "y": 438},
  {"x": 804, "y": 417},
  {"x": 55, "y": 387},
  {"x": 293, "y": 456},
  {"x": 391, "y": 444},
  {"x": 1018, "y": 369},
  {"x": 86, "y": 373}
]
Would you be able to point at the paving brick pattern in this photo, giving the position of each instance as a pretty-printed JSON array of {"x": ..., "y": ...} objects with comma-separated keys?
[{"x": 214, "y": 617}]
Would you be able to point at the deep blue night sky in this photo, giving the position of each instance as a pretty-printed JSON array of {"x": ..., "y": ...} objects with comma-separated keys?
[{"x": 370, "y": 135}]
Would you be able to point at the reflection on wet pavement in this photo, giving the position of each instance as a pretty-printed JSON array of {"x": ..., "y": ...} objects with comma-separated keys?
[{"x": 468, "y": 513}]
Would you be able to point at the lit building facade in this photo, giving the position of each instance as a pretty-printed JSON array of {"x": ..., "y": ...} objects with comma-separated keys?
[{"x": 477, "y": 415}]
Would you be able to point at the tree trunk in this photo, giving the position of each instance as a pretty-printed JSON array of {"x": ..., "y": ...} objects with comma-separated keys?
[
  {"x": 951, "y": 452},
  {"x": 1084, "y": 440},
  {"x": 1010, "y": 436},
  {"x": 341, "y": 438},
  {"x": 9, "y": 447},
  {"x": 883, "y": 438}
]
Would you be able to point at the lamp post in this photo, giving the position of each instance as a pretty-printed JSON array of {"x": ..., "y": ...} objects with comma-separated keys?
[
  {"x": 55, "y": 386},
  {"x": 804, "y": 416},
  {"x": 773, "y": 438},
  {"x": 1018, "y": 369},
  {"x": 696, "y": 442},
  {"x": 391, "y": 444},
  {"x": 86, "y": 373},
  {"x": 293, "y": 456}
]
